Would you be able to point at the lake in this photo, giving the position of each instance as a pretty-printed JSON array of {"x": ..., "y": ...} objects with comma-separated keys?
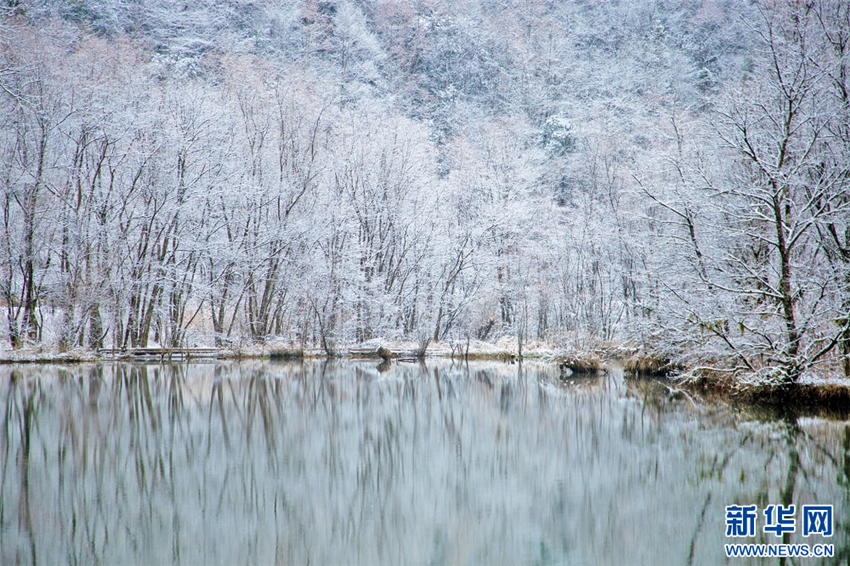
[{"x": 333, "y": 462}]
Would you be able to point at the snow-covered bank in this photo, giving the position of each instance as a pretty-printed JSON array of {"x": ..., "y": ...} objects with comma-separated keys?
[
  {"x": 504, "y": 349},
  {"x": 820, "y": 392}
]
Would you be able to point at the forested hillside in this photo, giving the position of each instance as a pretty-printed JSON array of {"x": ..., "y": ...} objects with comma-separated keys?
[{"x": 668, "y": 173}]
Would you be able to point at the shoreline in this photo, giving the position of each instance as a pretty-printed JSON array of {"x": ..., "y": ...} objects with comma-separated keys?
[
  {"x": 830, "y": 396},
  {"x": 403, "y": 351}
]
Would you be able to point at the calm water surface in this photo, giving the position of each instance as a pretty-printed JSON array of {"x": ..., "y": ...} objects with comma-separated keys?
[{"x": 339, "y": 463}]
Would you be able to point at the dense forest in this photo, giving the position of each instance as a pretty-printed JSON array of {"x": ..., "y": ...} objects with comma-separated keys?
[{"x": 671, "y": 174}]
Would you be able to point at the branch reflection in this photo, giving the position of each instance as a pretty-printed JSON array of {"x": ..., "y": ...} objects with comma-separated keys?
[{"x": 445, "y": 462}]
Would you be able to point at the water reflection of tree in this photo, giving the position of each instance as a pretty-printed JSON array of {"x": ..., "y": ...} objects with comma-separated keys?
[
  {"x": 442, "y": 462},
  {"x": 22, "y": 400},
  {"x": 842, "y": 552}
]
